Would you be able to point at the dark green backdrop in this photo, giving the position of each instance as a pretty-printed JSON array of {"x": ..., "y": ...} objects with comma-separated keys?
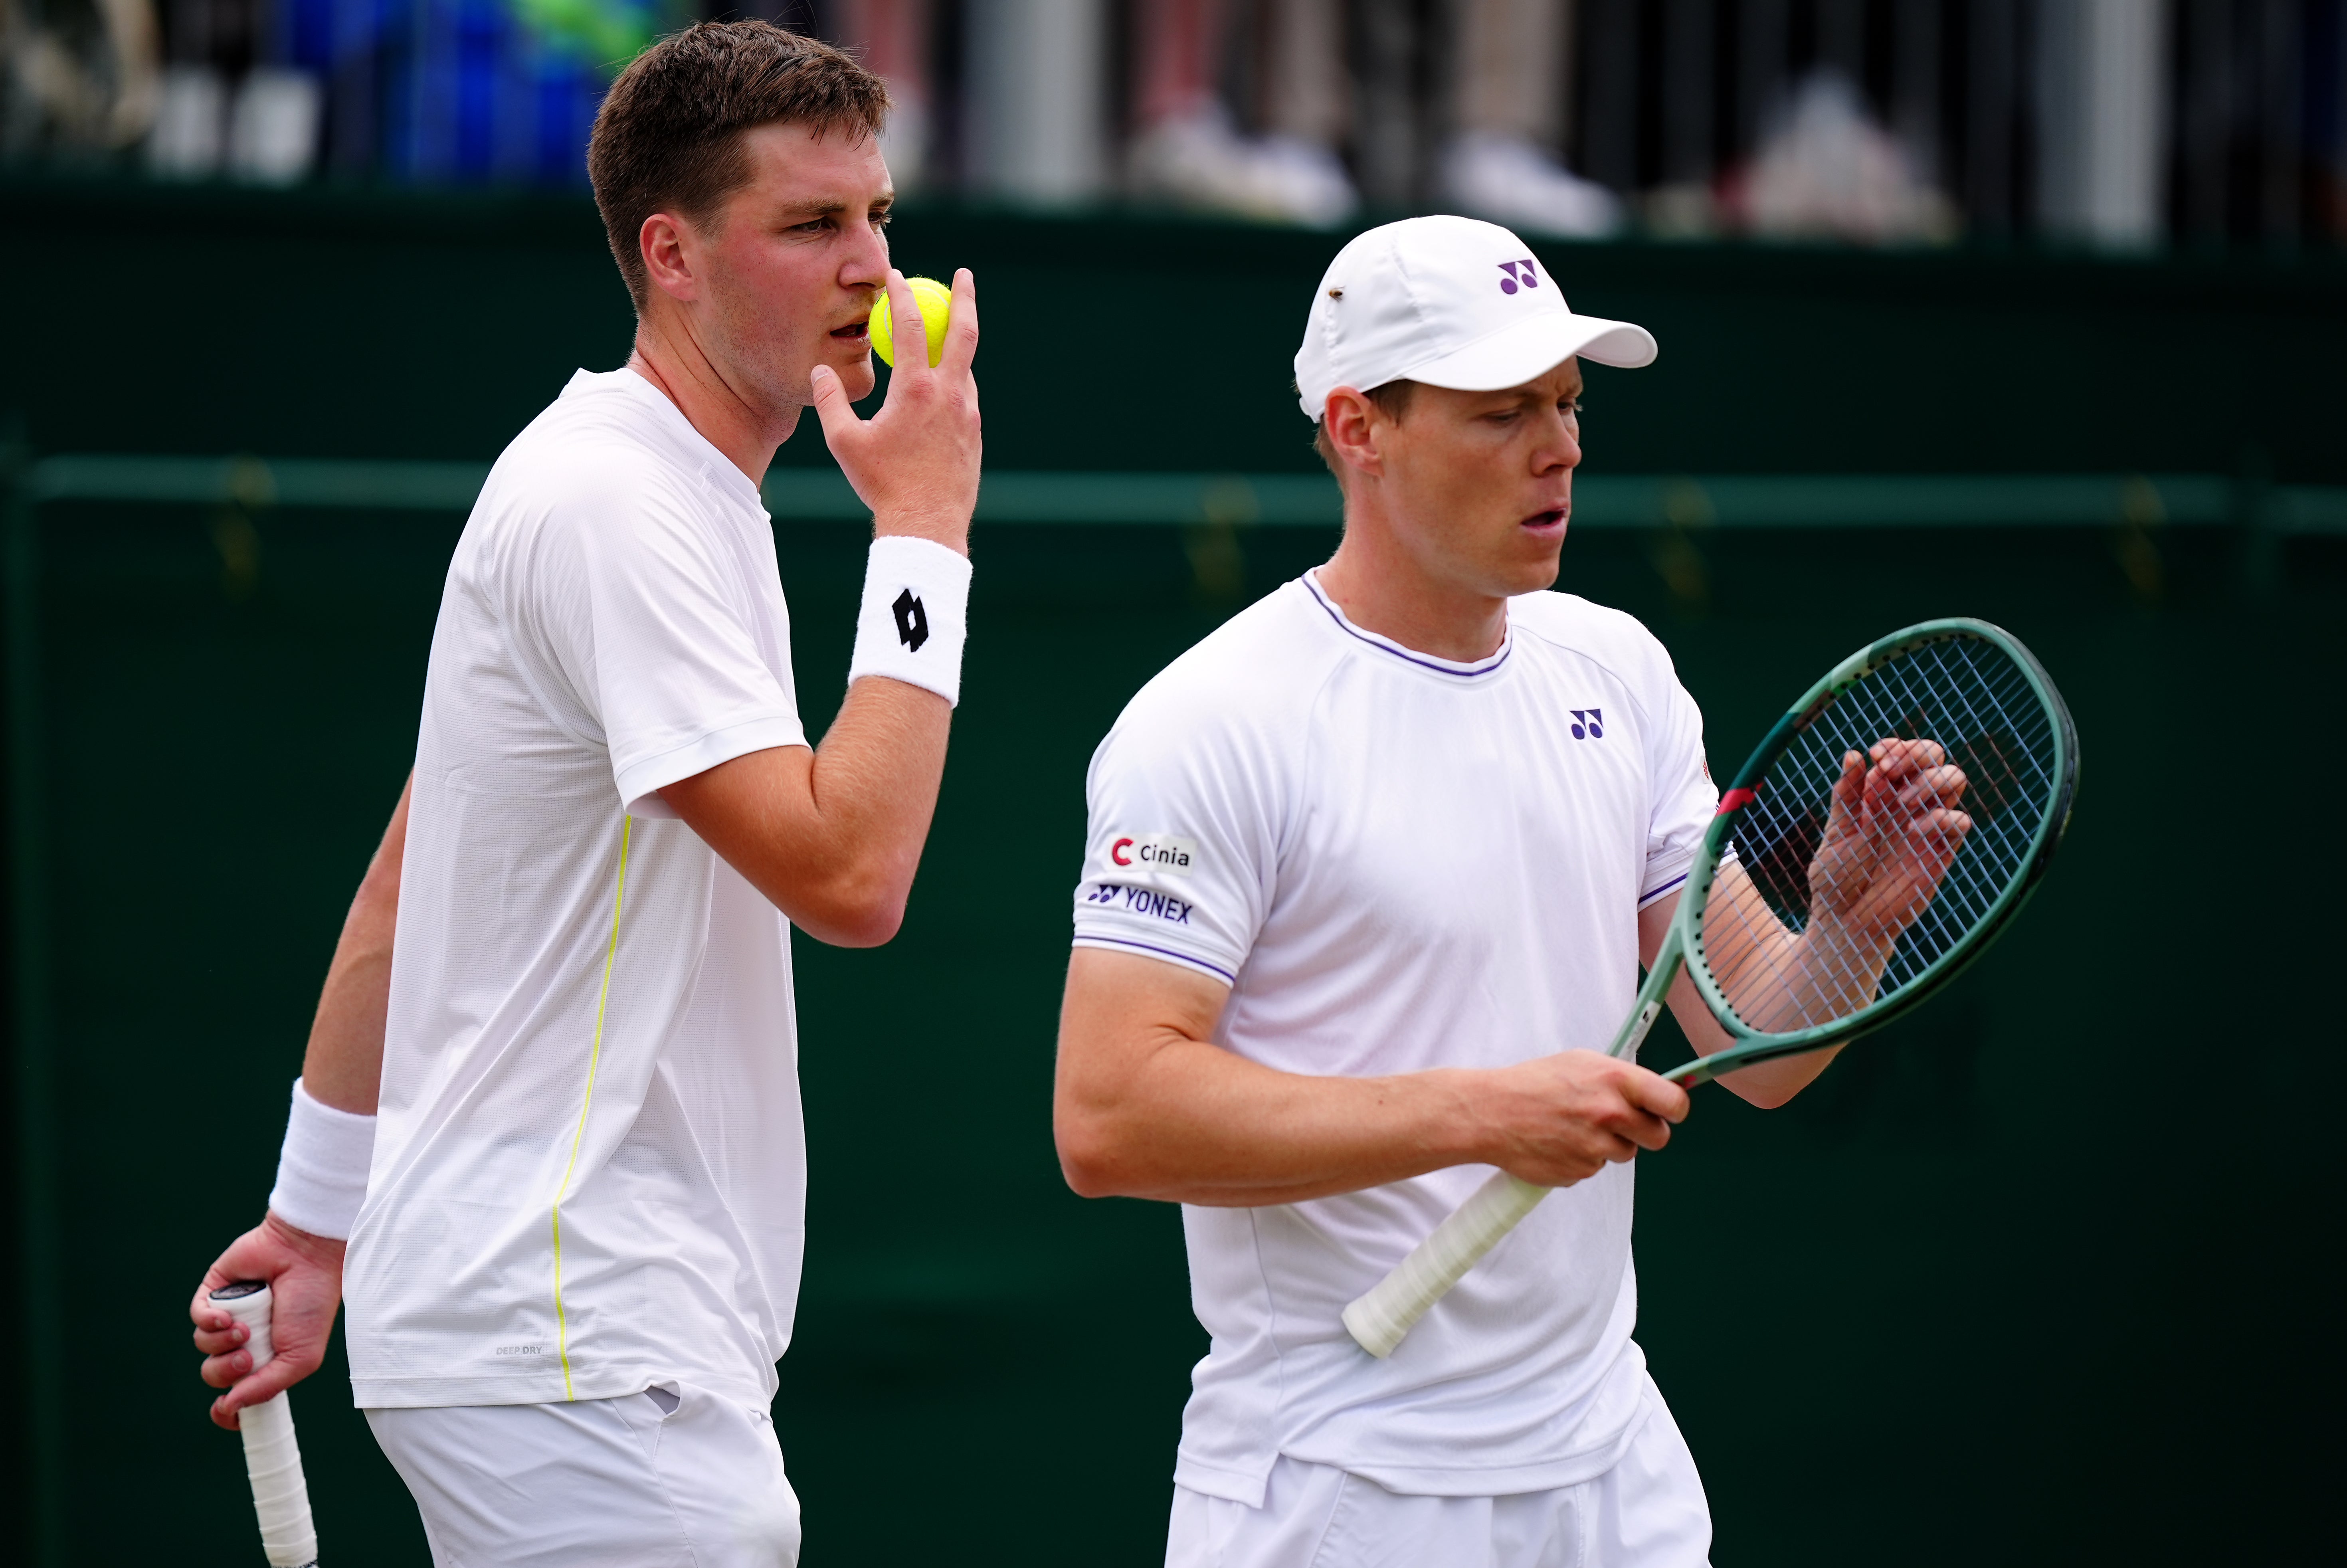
[{"x": 2048, "y": 1273}]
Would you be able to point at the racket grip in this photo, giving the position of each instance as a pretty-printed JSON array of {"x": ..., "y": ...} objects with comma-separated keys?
[
  {"x": 273, "y": 1459},
  {"x": 1379, "y": 1319}
]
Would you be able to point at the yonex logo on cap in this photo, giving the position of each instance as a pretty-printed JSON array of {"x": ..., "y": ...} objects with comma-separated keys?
[{"x": 1514, "y": 273}]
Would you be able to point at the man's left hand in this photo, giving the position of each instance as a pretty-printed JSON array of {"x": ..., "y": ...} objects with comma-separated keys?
[{"x": 1893, "y": 830}]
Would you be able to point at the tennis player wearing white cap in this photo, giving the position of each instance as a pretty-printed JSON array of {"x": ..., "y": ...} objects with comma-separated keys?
[{"x": 1370, "y": 874}]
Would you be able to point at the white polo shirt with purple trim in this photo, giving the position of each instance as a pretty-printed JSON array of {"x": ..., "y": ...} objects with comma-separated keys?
[{"x": 1398, "y": 863}]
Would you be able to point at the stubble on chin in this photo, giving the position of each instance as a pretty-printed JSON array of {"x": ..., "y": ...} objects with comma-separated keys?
[{"x": 783, "y": 382}]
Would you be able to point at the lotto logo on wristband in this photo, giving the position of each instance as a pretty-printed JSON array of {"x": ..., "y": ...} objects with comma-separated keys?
[
  {"x": 1154, "y": 852},
  {"x": 912, "y": 620}
]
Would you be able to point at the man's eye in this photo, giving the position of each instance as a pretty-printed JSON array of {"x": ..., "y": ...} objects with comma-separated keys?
[{"x": 812, "y": 226}]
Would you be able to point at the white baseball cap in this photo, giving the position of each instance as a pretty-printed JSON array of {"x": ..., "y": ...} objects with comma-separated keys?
[{"x": 1450, "y": 302}]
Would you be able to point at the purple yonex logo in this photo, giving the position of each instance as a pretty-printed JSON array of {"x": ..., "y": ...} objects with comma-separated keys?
[{"x": 1512, "y": 274}]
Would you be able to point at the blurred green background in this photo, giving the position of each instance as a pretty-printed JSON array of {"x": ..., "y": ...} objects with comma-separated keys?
[{"x": 2048, "y": 1273}]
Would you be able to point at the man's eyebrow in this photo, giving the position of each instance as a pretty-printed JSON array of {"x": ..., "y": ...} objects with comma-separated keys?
[{"x": 827, "y": 207}]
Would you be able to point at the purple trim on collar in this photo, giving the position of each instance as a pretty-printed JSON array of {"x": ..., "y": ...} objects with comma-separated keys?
[{"x": 1383, "y": 646}]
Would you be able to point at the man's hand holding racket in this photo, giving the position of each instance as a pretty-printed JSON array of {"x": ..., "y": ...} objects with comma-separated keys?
[
  {"x": 1558, "y": 1120},
  {"x": 1884, "y": 833},
  {"x": 305, "y": 1276},
  {"x": 1893, "y": 830}
]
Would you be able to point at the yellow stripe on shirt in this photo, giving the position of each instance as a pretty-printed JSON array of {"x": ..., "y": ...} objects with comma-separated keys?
[{"x": 594, "y": 1059}]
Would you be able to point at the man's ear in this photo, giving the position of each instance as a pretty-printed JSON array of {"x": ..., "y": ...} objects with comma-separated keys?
[
  {"x": 663, "y": 243},
  {"x": 1353, "y": 424}
]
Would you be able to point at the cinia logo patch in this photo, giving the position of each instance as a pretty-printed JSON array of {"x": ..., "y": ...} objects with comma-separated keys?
[{"x": 1154, "y": 852}]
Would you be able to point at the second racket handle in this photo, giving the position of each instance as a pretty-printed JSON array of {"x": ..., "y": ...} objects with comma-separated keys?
[
  {"x": 273, "y": 1458},
  {"x": 1381, "y": 1316}
]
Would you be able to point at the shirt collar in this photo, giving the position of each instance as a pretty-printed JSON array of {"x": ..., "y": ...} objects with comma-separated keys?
[
  {"x": 715, "y": 467},
  {"x": 1451, "y": 667}
]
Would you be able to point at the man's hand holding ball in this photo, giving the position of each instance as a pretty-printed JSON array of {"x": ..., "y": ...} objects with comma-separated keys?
[
  {"x": 935, "y": 302},
  {"x": 915, "y": 462}
]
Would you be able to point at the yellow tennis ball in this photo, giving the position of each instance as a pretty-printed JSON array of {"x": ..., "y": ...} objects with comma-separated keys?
[{"x": 933, "y": 300}]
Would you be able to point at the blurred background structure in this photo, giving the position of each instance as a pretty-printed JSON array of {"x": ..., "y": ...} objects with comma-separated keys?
[
  {"x": 2113, "y": 122},
  {"x": 2033, "y": 309}
]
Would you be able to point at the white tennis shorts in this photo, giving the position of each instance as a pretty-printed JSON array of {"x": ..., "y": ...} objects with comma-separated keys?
[
  {"x": 676, "y": 1476},
  {"x": 1648, "y": 1511}
]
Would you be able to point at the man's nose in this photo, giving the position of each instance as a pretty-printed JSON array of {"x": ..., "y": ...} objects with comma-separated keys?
[
  {"x": 1562, "y": 449},
  {"x": 866, "y": 263}
]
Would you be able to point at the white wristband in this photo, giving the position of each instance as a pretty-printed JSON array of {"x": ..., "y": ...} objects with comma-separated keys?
[
  {"x": 916, "y": 612},
  {"x": 321, "y": 1173}
]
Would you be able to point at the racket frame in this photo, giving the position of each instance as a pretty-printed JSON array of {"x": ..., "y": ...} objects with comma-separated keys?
[
  {"x": 1382, "y": 1316},
  {"x": 1685, "y": 942}
]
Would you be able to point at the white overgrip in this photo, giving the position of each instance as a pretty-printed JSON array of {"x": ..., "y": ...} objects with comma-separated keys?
[
  {"x": 1381, "y": 1318},
  {"x": 1388, "y": 1310},
  {"x": 273, "y": 1459}
]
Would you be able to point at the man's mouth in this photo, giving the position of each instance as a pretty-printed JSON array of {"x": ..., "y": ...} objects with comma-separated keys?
[
  {"x": 1552, "y": 519},
  {"x": 853, "y": 332}
]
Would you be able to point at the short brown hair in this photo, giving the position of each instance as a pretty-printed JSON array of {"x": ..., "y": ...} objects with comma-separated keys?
[
  {"x": 1392, "y": 400},
  {"x": 669, "y": 135}
]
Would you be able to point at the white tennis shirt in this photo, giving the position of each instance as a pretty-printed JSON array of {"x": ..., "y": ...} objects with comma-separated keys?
[
  {"x": 1400, "y": 863},
  {"x": 590, "y": 1165}
]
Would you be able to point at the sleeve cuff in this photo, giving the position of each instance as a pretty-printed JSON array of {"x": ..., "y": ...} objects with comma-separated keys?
[
  {"x": 1666, "y": 877},
  {"x": 640, "y": 782},
  {"x": 1156, "y": 950}
]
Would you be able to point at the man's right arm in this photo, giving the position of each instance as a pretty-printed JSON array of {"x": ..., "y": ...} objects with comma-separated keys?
[
  {"x": 343, "y": 1069},
  {"x": 1146, "y": 1105}
]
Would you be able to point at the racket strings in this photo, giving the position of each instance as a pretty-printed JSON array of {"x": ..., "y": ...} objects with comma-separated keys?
[
  {"x": 1898, "y": 705},
  {"x": 1972, "y": 699},
  {"x": 1972, "y": 883},
  {"x": 2008, "y": 758}
]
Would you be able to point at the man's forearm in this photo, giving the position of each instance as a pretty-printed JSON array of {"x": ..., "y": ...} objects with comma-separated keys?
[
  {"x": 1747, "y": 940},
  {"x": 832, "y": 836},
  {"x": 344, "y": 1065},
  {"x": 1198, "y": 1124},
  {"x": 1146, "y": 1106},
  {"x": 874, "y": 783}
]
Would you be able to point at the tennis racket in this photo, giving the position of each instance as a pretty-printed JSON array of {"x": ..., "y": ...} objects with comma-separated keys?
[
  {"x": 273, "y": 1460},
  {"x": 1779, "y": 982}
]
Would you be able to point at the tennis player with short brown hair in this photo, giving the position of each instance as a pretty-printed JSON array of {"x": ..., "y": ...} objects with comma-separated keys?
[{"x": 548, "y": 1139}]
